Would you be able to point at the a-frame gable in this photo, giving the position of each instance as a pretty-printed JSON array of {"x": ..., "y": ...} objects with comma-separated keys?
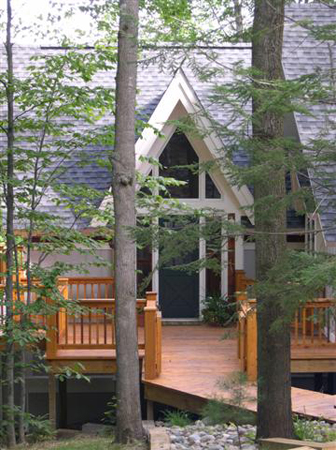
[{"x": 179, "y": 100}]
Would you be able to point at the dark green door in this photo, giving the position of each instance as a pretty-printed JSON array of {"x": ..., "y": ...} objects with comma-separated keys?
[{"x": 178, "y": 289}]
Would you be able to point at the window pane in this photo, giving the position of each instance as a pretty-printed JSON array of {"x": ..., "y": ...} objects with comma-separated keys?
[
  {"x": 179, "y": 152},
  {"x": 210, "y": 189}
]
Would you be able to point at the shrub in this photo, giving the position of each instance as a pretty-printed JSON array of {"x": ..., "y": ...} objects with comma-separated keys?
[
  {"x": 313, "y": 430},
  {"x": 219, "y": 310},
  {"x": 39, "y": 428},
  {"x": 177, "y": 418},
  {"x": 111, "y": 413}
]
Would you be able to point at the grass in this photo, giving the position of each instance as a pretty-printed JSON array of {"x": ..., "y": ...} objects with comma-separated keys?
[
  {"x": 313, "y": 430},
  {"x": 84, "y": 443},
  {"x": 177, "y": 418}
]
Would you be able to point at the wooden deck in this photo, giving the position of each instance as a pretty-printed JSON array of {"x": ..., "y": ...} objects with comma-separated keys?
[
  {"x": 196, "y": 358},
  {"x": 185, "y": 372}
]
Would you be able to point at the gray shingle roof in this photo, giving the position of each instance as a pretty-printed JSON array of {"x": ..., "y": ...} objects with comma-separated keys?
[
  {"x": 305, "y": 55},
  {"x": 302, "y": 55}
]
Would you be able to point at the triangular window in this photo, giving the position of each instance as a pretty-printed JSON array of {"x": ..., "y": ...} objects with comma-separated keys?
[
  {"x": 210, "y": 188},
  {"x": 180, "y": 161}
]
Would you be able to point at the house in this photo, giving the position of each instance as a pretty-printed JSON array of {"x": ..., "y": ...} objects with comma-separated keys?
[{"x": 165, "y": 96}]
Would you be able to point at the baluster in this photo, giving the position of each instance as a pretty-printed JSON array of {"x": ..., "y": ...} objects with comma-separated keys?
[
  {"x": 113, "y": 327},
  {"x": 66, "y": 326},
  {"x": 99, "y": 290},
  {"x": 304, "y": 318},
  {"x": 82, "y": 328},
  {"x": 106, "y": 290},
  {"x": 97, "y": 325},
  {"x": 92, "y": 291},
  {"x": 57, "y": 326},
  {"x": 105, "y": 326},
  {"x": 85, "y": 296},
  {"x": 74, "y": 329},
  {"x": 319, "y": 324},
  {"x": 312, "y": 327},
  {"x": 90, "y": 324},
  {"x": 77, "y": 291}
]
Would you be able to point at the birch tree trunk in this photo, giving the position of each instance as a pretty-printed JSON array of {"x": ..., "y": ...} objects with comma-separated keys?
[
  {"x": 274, "y": 375},
  {"x": 129, "y": 425}
]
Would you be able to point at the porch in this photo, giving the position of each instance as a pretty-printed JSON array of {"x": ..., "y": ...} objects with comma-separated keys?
[
  {"x": 181, "y": 364},
  {"x": 196, "y": 358}
]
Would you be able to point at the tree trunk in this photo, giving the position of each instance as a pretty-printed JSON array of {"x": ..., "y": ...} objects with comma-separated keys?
[
  {"x": 238, "y": 16},
  {"x": 274, "y": 376},
  {"x": 22, "y": 402},
  {"x": 10, "y": 235},
  {"x": 129, "y": 425}
]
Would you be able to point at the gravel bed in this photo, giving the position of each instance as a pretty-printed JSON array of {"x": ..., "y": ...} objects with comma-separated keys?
[{"x": 200, "y": 436}]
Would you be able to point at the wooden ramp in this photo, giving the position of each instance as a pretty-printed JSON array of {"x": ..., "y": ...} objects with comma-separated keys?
[{"x": 196, "y": 358}]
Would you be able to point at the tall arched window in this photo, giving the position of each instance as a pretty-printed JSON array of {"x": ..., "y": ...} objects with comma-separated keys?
[{"x": 177, "y": 155}]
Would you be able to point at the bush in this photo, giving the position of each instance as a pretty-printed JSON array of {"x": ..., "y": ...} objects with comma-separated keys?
[
  {"x": 219, "y": 310},
  {"x": 177, "y": 418},
  {"x": 39, "y": 428},
  {"x": 111, "y": 413},
  {"x": 313, "y": 430}
]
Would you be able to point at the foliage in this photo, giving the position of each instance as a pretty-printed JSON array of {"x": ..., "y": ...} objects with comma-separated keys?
[
  {"x": 87, "y": 443},
  {"x": 39, "y": 428},
  {"x": 111, "y": 413},
  {"x": 313, "y": 430},
  {"x": 219, "y": 310},
  {"x": 230, "y": 406},
  {"x": 177, "y": 418}
]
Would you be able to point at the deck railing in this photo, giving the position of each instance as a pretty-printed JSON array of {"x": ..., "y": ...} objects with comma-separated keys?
[
  {"x": 314, "y": 325},
  {"x": 88, "y": 323},
  {"x": 92, "y": 326},
  {"x": 20, "y": 295},
  {"x": 89, "y": 288}
]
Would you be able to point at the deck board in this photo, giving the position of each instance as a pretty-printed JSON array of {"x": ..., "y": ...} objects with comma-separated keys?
[{"x": 196, "y": 358}]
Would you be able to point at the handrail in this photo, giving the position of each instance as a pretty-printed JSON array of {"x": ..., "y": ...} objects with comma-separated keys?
[
  {"x": 93, "y": 287},
  {"x": 314, "y": 324},
  {"x": 90, "y": 323}
]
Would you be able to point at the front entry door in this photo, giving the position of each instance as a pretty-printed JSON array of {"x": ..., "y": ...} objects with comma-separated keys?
[{"x": 179, "y": 290}]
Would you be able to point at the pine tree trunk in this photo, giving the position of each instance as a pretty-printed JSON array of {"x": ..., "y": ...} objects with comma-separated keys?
[
  {"x": 274, "y": 376},
  {"x": 129, "y": 425},
  {"x": 10, "y": 235}
]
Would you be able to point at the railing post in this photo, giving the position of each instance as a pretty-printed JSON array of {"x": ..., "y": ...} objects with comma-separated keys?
[
  {"x": 150, "y": 335},
  {"x": 63, "y": 287},
  {"x": 241, "y": 298},
  {"x": 251, "y": 342},
  {"x": 158, "y": 342},
  {"x": 51, "y": 333},
  {"x": 240, "y": 276}
]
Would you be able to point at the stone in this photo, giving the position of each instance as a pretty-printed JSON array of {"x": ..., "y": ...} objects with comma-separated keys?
[
  {"x": 194, "y": 438},
  {"x": 95, "y": 428},
  {"x": 215, "y": 447}
]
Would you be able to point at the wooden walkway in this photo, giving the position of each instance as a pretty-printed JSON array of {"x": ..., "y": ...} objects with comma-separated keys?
[{"x": 196, "y": 358}]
